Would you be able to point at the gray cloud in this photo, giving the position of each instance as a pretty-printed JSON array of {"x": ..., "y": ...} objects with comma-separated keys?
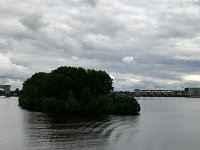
[
  {"x": 33, "y": 22},
  {"x": 6, "y": 46},
  {"x": 162, "y": 37},
  {"x": 91, "y": 2}
]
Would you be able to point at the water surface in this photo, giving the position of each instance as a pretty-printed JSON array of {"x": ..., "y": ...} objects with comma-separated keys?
[{"x": 163, "y": 124}]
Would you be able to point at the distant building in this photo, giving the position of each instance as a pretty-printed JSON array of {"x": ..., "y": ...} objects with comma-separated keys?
[
  {"x": 192, "y": 92},
  {"x": 188, "y": 92},
  {"x": 159, "y": 93}
]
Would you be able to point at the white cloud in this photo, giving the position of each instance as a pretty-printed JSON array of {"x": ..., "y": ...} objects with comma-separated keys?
[
  {"x": 112, "y": 77},
  {"x": 191, "y": 78},
  {"x": 128, "y": 59},
  {"x": 11, "y": 70},
  {"x": 75, "y": 58},
  {"x": 15, "y": 83}
]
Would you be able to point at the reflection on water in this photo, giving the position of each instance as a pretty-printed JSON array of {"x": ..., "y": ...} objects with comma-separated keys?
[
  {"x": 164, "y": 124},
  {"x": 74, "y": 132}
]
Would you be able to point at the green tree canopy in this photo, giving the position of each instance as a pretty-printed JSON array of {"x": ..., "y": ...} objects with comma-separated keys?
[{"x": 73, "y": 90}]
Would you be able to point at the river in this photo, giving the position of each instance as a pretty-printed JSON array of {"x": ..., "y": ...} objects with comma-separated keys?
[{"x": 163, "y": 124}]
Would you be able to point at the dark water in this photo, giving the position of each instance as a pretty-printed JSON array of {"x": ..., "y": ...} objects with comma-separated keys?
[{"x": 164, "y": 124}]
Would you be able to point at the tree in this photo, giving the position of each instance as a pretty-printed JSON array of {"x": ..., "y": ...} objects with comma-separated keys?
[
  {"x": 85, "y": 99},
  {"x": 86, "y": 96},
  {"x": 72, "y": 106},
  {"x": 48, "y": 105},
  {"x": 99, "y": 82},
  {"x": 60, "y": 106},
  {"x": 17, "y": 91},
  {"x": 74, "y": 90}
]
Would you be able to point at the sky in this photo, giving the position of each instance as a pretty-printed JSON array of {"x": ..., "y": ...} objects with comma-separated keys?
[{"x": 139, "y": 43}]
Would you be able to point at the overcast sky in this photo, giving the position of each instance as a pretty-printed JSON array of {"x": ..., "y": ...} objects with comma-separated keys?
[{"x": 146, "y": 44}]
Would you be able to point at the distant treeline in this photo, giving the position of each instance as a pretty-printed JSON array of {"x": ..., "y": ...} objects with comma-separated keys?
[{"x": 75, "y": 91}]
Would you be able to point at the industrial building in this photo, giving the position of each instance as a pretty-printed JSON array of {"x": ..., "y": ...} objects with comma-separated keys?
[
  {"x": 187, "y": 92},
  {"x": 192, "y": 92}
]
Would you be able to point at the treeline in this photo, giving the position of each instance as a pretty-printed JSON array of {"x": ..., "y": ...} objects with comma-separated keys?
[{"x": 74, "y": 91}]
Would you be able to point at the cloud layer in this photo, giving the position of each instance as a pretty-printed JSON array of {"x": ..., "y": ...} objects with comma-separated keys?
[{"x": 143, "y": 44}]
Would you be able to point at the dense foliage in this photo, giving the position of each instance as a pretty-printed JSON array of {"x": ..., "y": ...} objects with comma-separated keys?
[{"x": 74, "y": 90}]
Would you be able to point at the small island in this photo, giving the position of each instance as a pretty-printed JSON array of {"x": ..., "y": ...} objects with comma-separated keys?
[{"x": 73, "y": 90}]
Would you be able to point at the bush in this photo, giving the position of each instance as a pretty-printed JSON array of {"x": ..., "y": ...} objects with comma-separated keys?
[{"x": 126, "y": 106}]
